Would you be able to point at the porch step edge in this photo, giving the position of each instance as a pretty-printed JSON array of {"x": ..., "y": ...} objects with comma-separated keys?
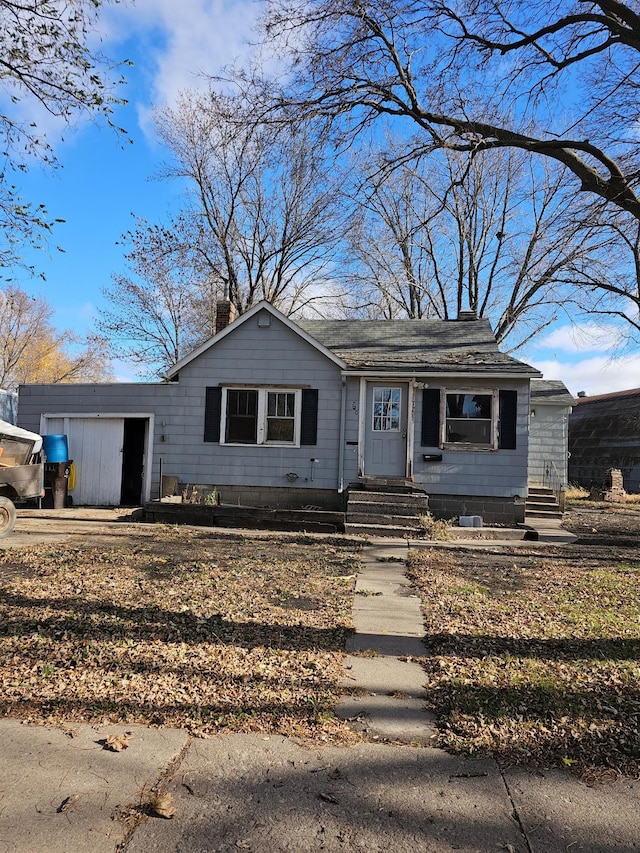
[
  {"x": 380, "y": 530},
  {"x": 387, "y": 520},
  {"x": 387, "y": 507},
  {"x": 379, "y": 497}
]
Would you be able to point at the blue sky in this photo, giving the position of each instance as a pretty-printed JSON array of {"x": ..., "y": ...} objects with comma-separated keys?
[{"x": 104, "y": 180}]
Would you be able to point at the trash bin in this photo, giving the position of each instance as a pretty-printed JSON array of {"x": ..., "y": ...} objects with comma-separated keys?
[
  {"x": 55, "y": 448},
  {"x": 56, "y": 479}
]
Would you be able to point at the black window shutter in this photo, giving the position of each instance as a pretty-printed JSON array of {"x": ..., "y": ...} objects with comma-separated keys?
[
  {"x": 430, "y": 417},
  {"x": 309, "y": 416},
  {"x": 212, "y": 412},
  {"x": 508, "y": 417}
]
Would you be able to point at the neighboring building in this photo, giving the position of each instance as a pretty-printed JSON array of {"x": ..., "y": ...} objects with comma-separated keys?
[
  {"x": 604, "y": 433},
  {"x": 8, "y": 406},
  {"x": 274, "y": 412}
]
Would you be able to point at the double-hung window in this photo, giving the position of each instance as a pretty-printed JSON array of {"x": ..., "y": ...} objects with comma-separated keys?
[
  {"x": 261, "y": 416},
  {"x": 470, "y": 418}
]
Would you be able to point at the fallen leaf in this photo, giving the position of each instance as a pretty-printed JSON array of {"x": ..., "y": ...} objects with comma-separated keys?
[
  {"x": 162, "y": 805},
  {"x": 116, "y": 743}
]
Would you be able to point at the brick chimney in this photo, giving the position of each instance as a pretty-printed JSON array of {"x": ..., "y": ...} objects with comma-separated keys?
[
  {"x": 466, "y": 316},
  {"x": 225, "y": 314}
]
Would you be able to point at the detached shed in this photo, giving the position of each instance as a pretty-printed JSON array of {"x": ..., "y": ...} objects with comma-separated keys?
[{"x": 604, "y": 433}]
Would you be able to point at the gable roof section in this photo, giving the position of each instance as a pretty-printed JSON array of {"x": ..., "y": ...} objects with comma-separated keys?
[
  {"x": 631, "y": 394},
  {"x": 261, "y": 306},
  {"x": 616, "y": 404},
  {"x": 391, "y": 346},
  {"x": 421, "y": 346},
  {"x": 551, "y": 392}
]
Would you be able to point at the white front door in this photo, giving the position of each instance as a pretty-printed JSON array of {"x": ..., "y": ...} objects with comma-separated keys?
[{"x": 386, "y": 429}]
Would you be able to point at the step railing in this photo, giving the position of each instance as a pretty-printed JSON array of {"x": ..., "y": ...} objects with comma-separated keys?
[{"x": 553, "y": 481}]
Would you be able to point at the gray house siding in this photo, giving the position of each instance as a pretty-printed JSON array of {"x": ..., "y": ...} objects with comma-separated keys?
[
  {"x": 352, "y": 421},
  {"x": 162, "y": 401},
  {"x": 240, "y": 473},
  {"x": 261, "y": 356},
  {"x": 492, "y": 473},
  {"x": 548, "y": 444}
]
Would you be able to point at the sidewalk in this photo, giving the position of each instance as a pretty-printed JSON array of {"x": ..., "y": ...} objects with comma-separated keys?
[{"x": 61, "y": 792}]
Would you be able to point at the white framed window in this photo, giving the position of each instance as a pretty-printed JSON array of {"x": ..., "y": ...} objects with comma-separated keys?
[
  {"x": 261, "y": 416},
  {"x": 470, "y": 418},
  {"x": 386, "y": 409}
]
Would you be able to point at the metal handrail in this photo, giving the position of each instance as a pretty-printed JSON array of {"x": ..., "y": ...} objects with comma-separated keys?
[{"x": 552, "y": 479}]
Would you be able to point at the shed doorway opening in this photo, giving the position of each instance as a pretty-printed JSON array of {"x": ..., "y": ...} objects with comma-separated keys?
[{"x": 133, "y": 444}]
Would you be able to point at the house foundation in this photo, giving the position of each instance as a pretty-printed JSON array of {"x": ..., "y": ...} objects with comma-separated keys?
[
  {"x": 261, "y": 496},
  {"x": 492, "y": 510}
]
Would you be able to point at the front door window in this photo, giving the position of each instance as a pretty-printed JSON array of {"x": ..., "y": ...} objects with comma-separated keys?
[{"x": 386, "y": 409}]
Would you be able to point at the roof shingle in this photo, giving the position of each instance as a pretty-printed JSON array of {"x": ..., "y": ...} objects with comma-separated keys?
[{"x": 415, "y": 345}]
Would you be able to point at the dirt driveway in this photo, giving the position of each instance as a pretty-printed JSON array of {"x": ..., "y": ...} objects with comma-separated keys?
[{"x": 44, "y": 526}]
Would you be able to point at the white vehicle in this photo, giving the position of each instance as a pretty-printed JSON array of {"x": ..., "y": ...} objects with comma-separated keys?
[{"x": 21, "y": 477}]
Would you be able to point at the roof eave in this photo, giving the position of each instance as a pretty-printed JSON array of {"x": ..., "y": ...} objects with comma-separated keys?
[{"x": 450, "y": 374}]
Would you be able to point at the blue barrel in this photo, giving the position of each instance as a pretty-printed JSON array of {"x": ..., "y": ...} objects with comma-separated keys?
[{"x": 55, "y": 448}]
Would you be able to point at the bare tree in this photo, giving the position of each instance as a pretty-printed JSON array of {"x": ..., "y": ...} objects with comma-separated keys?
[
  {"x": 262, "y": 211},
  {"x": 165, "y": 306},
  {"x": 476, "y": 75},
  {"x": 32, "y": 350},
  {"x": 46, "y": 58},
  {"x": 486, "y": 233}
]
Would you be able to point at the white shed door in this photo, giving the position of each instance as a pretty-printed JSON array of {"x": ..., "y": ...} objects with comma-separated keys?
[{"x": 95, "y": 445}]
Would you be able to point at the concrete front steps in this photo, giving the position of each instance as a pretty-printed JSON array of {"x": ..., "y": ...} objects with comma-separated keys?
[
  {"x": 385, "y": 507},
  {"x": 542, "y": 503}
]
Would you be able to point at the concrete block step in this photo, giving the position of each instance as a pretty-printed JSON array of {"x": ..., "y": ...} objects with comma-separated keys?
[
  {"x": 542, "y": 499},
  {"x": 390, "y": 520},
  {"x": 534, "y": 512},
  {"x": 419, "y": 499},
  {"x": 541, "y": 504},
  {"x": 389, "y": 484},
  {"x": 397, "y": 532},
  {"x": 377, "y": 507}
]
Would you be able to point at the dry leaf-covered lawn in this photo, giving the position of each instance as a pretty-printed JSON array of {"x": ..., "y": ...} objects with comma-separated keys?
[
  {"x": 185, "y": 629},
  {"x": 533, "y": 656}
]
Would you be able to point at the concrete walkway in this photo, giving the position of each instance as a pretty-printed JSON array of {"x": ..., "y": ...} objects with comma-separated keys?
[
  {"x": 61, "y": 792},
  {"x": 384, "y": 696}
]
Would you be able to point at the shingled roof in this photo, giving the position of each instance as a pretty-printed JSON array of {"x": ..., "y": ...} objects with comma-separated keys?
[
  {"x": 551, "y": 392},
  {"x": 463, "y": 346}
]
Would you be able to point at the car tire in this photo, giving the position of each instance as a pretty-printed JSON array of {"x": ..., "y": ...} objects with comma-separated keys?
[{"x": 7, "y": 516}]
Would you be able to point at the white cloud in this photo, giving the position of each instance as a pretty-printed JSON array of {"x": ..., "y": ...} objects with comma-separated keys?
[
  {"x": 581, "y": 337},
  {"x": 174, "y": 46},
  {"x": 124, "y": 371},
  {"x": 182, "y": 41},
  {"x": 596, "y": 375}
]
